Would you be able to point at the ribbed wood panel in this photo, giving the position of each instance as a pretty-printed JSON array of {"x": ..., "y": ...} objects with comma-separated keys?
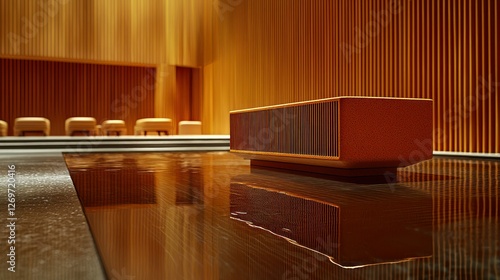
[
  {"x": 281, "y": 130},
  {"x": 264, "y": 52},
  {"x": 59, "y": 90},
  {"x": 130, "y": 31},
  {"x": 279, "y": 51},
  {"x": 119, "y": 32},
  {"x": 184, "y": 25}
]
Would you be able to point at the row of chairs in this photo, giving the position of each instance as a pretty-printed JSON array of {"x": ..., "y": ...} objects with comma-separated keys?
[{"x": 88, "y": 126}]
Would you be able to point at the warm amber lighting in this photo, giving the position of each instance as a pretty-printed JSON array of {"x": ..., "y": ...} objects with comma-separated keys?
[{"x": 262, "y": 52}]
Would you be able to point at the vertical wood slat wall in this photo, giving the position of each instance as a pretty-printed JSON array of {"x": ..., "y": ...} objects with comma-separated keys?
[
  {"x": 131, "y": 31},
  {"x": 259, "y": 52},
  {"x": 125, "y": 32},
  {"x": 59, "y": 90},
  {"x": 272, "y": 52}
]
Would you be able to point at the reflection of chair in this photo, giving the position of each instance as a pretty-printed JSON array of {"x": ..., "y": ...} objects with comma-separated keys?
[
  {"x": 114, "y": 126},
  {"x": 3, "y": 128},
  {"x": 189, "y": 128},
  {"x": 159, "y": 125},
  {"x": 84, "y": 125},
  {"x": 25, "y": 125}
]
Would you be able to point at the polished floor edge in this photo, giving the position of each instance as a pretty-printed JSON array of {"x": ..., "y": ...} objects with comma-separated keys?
[
  {"x": 171, "y": 143},
  {"x": 462, "y": 154},
  {"x": 15, "y": 145},
  {"x": 109, "y": 138}
]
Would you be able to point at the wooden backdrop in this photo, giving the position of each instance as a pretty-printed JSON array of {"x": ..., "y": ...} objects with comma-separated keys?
[
  {"x": 154, "y": 33},
  {"x": 262, "y": 52},
  {"x": 276, "y": 51},
  {"x": 59, "y": 90}
]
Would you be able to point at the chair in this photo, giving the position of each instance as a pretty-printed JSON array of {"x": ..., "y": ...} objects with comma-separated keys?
[
  {"x": 3, "y": 128},
  {"x": 159, "y": 125},
  {"x": 113, "y": 126},
  {"x": 83, "y": 125},
  {"x": 189, "y": 128},
  {"x": 25, "y": 125}
]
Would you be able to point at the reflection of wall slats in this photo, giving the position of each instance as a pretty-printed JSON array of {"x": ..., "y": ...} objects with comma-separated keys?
[
  {"x": 466, "y": 214},
  {"x": 274, "y": 52},
  {"x": 59, "y": 90}
]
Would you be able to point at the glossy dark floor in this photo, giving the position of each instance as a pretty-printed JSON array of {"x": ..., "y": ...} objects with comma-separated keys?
[{"x": 210, "y": 216}]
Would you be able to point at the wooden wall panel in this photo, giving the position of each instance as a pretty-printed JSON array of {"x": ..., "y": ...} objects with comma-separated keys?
[
  {"x": 165, "y": 91},
  {"x": 263, "y": 52},
  {"x": 126, "y": 31},
  {"x": 153, "y": 33},
  {"x": 183, "y": 98},
  {"x": 59, "y": 90},
  {"x": 185, "y": 32},
  {"x": 276, "y": 51}
]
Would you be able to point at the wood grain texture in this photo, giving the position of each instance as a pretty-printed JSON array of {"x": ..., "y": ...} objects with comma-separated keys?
[
  {"x": 153, "y": 33},
  {"x": 125, "y": 31},
  {"x": 280, "y": 51},
  {"x": 59, "y": 90},
  {"x": 264, "y": 52}
]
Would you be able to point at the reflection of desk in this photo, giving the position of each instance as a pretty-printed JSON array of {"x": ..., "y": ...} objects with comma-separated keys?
[{"x": 354, "y": 225}]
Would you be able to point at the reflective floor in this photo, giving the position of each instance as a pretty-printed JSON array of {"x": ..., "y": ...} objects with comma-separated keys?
[{"x": 211, "y": 216}]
